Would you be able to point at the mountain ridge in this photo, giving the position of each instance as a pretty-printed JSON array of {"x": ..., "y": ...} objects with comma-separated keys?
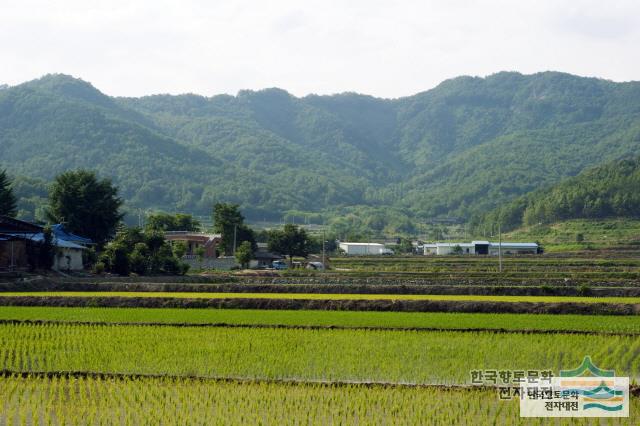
[{"x": 463, "y": 147}]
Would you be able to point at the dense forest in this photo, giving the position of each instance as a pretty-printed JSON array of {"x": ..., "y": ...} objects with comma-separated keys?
[
  {"x": 460, "y": 149},
  {"x": 606, "y": 191}
]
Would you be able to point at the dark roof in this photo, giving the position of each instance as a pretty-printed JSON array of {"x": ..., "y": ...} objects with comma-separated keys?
[
  {"x": 265, "y": 255},
  {"x": 15, "y": 226},
  {"x": 39, "y": 238}
]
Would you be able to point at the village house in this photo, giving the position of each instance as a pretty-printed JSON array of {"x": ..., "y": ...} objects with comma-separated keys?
[
  {"x": 196, "y": 242},
  {"x": 18, "y": 238}
]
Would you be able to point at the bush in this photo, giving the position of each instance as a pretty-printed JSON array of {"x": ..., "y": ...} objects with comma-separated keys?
[
  {"x": 98, "y": 268},
  {"x": 89, "y": 257},
  {"x": 171, "y": 265},
  {"x": 547, "y": 289},
  {"x": 138, "y": 263},
  {"x": 120, "y": 260},
  {"x": 184, "y": 268},
  {"x": 584, "y": 290}
]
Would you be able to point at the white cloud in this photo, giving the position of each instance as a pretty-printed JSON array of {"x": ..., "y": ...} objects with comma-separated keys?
[{"x": 378, "y": 47}]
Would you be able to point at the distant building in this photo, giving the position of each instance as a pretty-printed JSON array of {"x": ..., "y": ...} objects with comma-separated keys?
[
  {"x": 364, "y": 249},
  {"x": 195, "y": 240},
  {"x": 481, "y": 248},
  {"x": 263, "y": 259}
]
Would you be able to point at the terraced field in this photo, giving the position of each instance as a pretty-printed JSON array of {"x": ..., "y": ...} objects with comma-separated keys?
[
  {"x": 335, "y": 319},
  {"x": 178, "y": 401},
  {"x": 585, "y": 266},
  {"x": 329, "y": 296},
  {"x": 386, "y": 356},
  {"x": 275, "y": 365}
]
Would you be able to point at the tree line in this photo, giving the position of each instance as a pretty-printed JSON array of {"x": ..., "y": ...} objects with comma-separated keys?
[{"x": 91, "y": 207}]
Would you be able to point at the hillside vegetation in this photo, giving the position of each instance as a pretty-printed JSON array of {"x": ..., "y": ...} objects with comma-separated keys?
[
  {"x": 464, "y": 147},
  {"x": 611, "y": 190}
]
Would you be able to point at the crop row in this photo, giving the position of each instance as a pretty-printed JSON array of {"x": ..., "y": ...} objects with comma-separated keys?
[
  {"x": 303, "y": 354},
  {"x": 171, "y": 401},
  {"x": 412, "y": 320}
]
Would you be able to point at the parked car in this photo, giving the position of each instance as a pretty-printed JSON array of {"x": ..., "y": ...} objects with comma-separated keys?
[
  {"x": 279, "y": 264},
  {"x": 318, "y": 266}
]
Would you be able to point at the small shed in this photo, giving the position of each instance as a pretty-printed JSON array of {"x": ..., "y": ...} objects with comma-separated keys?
[{"x": 263, "y": 259}]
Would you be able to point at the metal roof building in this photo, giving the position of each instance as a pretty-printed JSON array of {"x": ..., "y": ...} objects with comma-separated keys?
[{"x": 481, "y": 248}]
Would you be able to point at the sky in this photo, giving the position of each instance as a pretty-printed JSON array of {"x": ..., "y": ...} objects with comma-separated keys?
[{"x": 389, "y": 48}]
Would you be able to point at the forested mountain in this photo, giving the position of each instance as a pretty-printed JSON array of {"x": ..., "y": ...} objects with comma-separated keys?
[
  {"x": 606, "y": 191},
  {"x": 461, "y": 148}
]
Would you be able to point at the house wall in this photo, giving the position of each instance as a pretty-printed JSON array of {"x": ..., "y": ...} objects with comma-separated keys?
[
  {"x": 358, "y": 250},
  {"x": 444, "y": 250},
  {"x": 19, "y": 254},
  {"x": 221, "y": 263},
  {"x": 494, "y": 251},
  {"x": 194, "y": 242},
  {"x": 68, "y": 259}
]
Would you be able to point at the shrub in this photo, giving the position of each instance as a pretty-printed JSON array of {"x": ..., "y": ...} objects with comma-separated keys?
[
  {"x": 98, "y": 268},
  {"x": 547, "y": 289},
  {"x": 120, "y": 260},
  {"x": 584, "y": 290},
  {"x": 138, "y": 263}
]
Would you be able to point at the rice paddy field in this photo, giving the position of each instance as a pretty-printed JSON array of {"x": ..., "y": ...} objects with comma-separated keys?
[
  {"x": 149, "y": 364},
  {"x": 324, "y": 319},
  {"x": 379, "y": 356},
  {"x": 328, "y": 296},
  {"x": 179, "y": 401}
]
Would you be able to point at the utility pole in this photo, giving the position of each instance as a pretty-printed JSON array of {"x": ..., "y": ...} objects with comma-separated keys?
[
  {"x": 323, "y": 256},
  {"x": 368, "y": 241},
  {"x": 500, "y": 247},
  {"x": 235, "y": 233}
]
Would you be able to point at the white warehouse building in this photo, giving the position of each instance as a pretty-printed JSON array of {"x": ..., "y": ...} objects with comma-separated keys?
[
  {"x": 481, "y": 247},
  {"x": 364, "y": 249}
]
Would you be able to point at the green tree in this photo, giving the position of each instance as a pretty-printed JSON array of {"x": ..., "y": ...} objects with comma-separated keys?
[
  {"x": 139, "y": 259},
  {"x": 291, "y": 241},
  {"x": 7, "y": 198},
  {"x": 244, "y": 254},
  {"x": 172, "y": 222},
  {"x": 142, "y": 252},
  {"x": 228, "y": 221},
  {"x": 41, "y": 254},
  {"x": 179, "y": 249},
  {"x": 457, "y": 250},
  {"x": 405, "y": 246},
  {"x": 47, "y": 249},
  {"x": 86, "y": 205}
]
